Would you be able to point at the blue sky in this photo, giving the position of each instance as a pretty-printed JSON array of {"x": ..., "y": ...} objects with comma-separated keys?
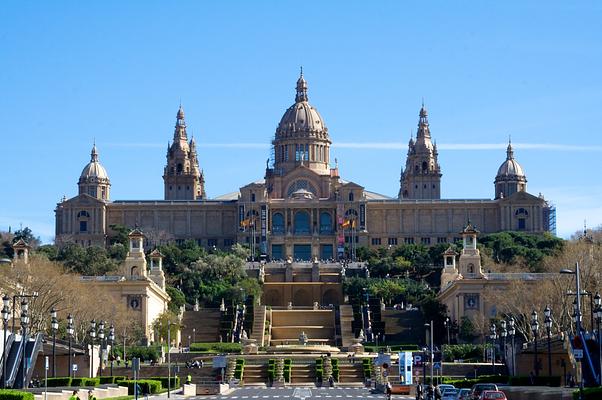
[{"x": 115, "y": 71}]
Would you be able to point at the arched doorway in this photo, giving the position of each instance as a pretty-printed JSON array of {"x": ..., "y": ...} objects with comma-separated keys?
[
  {"x": 272, "y": 298},
  {"x": 302, "y": 298},
  {"x": 330, "y": 296}
]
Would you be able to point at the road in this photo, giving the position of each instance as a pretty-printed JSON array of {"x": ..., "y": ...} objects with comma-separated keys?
[{"x": 301, "y": 393}]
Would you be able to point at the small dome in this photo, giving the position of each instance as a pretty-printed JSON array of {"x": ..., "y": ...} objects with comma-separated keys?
[
  {"x": 94, "y": 171},
  {"x": 510, "y": 167},
  {"x": 302, "y": 119}
]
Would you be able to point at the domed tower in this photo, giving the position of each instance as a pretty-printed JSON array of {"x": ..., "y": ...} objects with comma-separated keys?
[
  {"x": 510, "y": 176},
  {"x": 182, "y": 176},
  {"x": 94, "y": 180},
  {"x": 421, "y": 178},
  {"x": 301, "y": 136}
]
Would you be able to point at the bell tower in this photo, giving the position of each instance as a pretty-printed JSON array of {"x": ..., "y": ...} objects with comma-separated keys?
[
  {"x": 182, "y": 176},
  {"x": 470, "y": 259},
  {"x": 421, "y": 178}
]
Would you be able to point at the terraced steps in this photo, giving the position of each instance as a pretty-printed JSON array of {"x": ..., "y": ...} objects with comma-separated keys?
[{"x": 303, "y": 373}]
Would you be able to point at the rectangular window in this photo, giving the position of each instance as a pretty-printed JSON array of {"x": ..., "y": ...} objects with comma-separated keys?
[
  {"x": 375, "y": 241},
  {"x": 179, "y": 242},
  {"x": 425, "y": 240},
  {"x": 83, "y": 226},
  {"x": 441, "y": 239},
  {"x": 228, "y": 242},
  {"x": 286, "y": 152},
  {"x": 522, "y": 224},
  {"x": 408, "y": 240},
  {"x": 211, "y": 242},
  {"x": 277, "y": 253},
  {"x": 392, "y": 241}
]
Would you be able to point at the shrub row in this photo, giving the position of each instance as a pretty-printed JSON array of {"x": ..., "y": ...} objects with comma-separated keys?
[
  {"x": 271, "y": 369},
  {"x": 111, "y": 379},
  {"x": 239, "y": 368},
  {"x": 66, "y": 381},
  {"x": 174, "y": 381},
  {"x": 224, "y": 347},
  {"x": 593, "y": 393},
  {"x": 335, "y": 369},
  {"x": 147, "y": 386},
  {"x": 367, "y": 366},
  {"x": 9, "y": 394},
  {"x": 287, "y": 369},
  {"x": 535, "y": 380}
]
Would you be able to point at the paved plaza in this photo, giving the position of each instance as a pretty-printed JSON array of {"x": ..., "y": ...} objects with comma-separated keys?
[{"x": 302, "y": 393}]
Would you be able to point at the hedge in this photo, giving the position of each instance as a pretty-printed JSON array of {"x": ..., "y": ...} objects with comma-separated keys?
[
  {"x": 239, "y": 369},
  {"x": 56, "y": 382},
  {"x": 224, "y": 347},
  {"x": 593, "y": 393},
  {"x": 174, "y": 381},
  {"x": 147, "y": 386},
  {"x": 287, "y": 369},
  {"x": 9, "y": 394},
  {"x": 85, "y": 381},
  {"x": 537, "y": 381}
]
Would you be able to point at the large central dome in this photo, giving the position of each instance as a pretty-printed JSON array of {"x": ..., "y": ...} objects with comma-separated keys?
[
  {"x": 301, "y": 137},
  {"x": 302, "y": 119}
]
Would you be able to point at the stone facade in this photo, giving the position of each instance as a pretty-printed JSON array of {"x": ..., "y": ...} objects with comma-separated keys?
[{"x": 302, "y": 208}]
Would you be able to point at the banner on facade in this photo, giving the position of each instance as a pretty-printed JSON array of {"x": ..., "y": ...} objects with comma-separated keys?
[{"x": 264, "y": 229}]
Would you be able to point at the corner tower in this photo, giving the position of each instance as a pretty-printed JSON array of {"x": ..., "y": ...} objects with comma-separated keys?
[
  {"x": 301, "y": 136},
  {"x": 182, "y": 177},
  {"x": 421, "y": 178},
  {"x": 94, "y": 180}
]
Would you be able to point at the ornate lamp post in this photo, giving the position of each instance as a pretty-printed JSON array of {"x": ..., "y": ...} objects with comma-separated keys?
[
  {"x": 512, "y": 332},
  {"x": 24, "y": 323},
  {"x": 101, "y": 339},
  {"x": 112, "y": 341},
  {"x": 447, "y": 324},
  {"x": 54, "y": 325},
  {"x": 548, "y": 324},
  {"x": 493, "y": 337},
  {"x": 92, "y": 337},
  {"x": 503, "y": 334},
  {"x": 5, "y": 317},
  {"x": 70, "y": 335},
  {"x": 535, "y": 330}
]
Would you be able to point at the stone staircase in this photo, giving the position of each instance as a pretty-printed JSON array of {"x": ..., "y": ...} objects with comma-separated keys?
[
  {"x": 346, "y": 318},
  {"x": 198, "y": 375},
  {"x": 205, "y": 324},
  {"x": 255, "y": 374},
  {"x": 258, "y": 331},
  {"x": 303, "y": 374},
  {"x": 350, "y": 373}
]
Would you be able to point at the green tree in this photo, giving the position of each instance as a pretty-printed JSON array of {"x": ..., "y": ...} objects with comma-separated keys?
[
  {"x": 177, "y": 299},
  {"x": 27, "y": 235},
  {"x": 164, "y": 322},
  {"x": 119, "y": 235}
]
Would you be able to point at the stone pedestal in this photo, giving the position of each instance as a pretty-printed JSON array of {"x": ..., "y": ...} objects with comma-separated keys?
[
  {"x": 249, "y": 346},
  {"x": 357, "y": 347}
]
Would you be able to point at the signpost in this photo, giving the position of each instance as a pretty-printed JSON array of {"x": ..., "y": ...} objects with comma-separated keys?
[{"x": 46, "y": 377}]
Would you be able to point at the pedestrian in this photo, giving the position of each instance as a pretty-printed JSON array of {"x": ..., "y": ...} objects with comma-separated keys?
[
  {"x": 419, "y": 391},
  {"x": 91, "y": 395},
  {"x": 74, "y": 396},
  {"x": 437, "y": 392},
  {"x": 188, "y": 379},
  {"x": 430, "y": 392},
  {"x": 349, "y": 358}
]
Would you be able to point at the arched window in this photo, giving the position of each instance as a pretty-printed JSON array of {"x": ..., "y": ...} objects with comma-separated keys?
[
  {"x": 179, "y": 168},
  {"x": 277, "y": 223},
  {"x": 470, "y": 268},
  {"x": 325, "y": 223},
  {"x": 253, "y": 197},
  {"x": 83, "y": 217},
  {"x": 301, "y": 184},
  {"x": 302, "y": 223},
  {"x": 350, "y": 196},
  {"x": 425, "y": 166}
]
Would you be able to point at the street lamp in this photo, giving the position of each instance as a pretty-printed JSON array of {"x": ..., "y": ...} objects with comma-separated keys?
[
  {"x": 430, "y": 346},
  {"x": 54, "y": 325},
  {"x": 447, "y": 324},
  {"x": 92, "y": 337},
  {"x": 193, "y": 335},
  {"x": 112, "y": 340},
  {"x": 493, "y": 337},
  {"x": 535, "y": 329},
  {"x": 24, "y": 323},
  {"x": 101, "y": 338},
  {"x": 577, "y": 314},
  {"x": 512, "y": 332},
  {"x": 5, "y": 317},
  {"x": 70, "y": 335},
  {"x": 23, "y": 296},
  {"x": 548, "y": 324},
  {"x": 503, "y": 334}
]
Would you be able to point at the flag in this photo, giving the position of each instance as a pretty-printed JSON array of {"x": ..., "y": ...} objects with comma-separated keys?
[
  {"x": 245, "y": 222},
  {"x": 346, "y": 223}
]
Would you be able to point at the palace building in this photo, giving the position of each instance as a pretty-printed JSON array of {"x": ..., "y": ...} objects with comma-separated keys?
[{"x": 301, "y": 209}]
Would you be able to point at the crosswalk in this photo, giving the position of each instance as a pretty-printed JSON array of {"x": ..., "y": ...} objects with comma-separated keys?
[{"x": 250, "y": 393}]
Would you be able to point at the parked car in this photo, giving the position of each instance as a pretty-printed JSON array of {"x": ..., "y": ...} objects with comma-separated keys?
[
  {"x": 449, "y": 394},
  {"x": 493, "y": 395},
  {"x": 463, "y": 394},
  {"x": 444, "y": 386},
  {"x": 478, "y": 388}
]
